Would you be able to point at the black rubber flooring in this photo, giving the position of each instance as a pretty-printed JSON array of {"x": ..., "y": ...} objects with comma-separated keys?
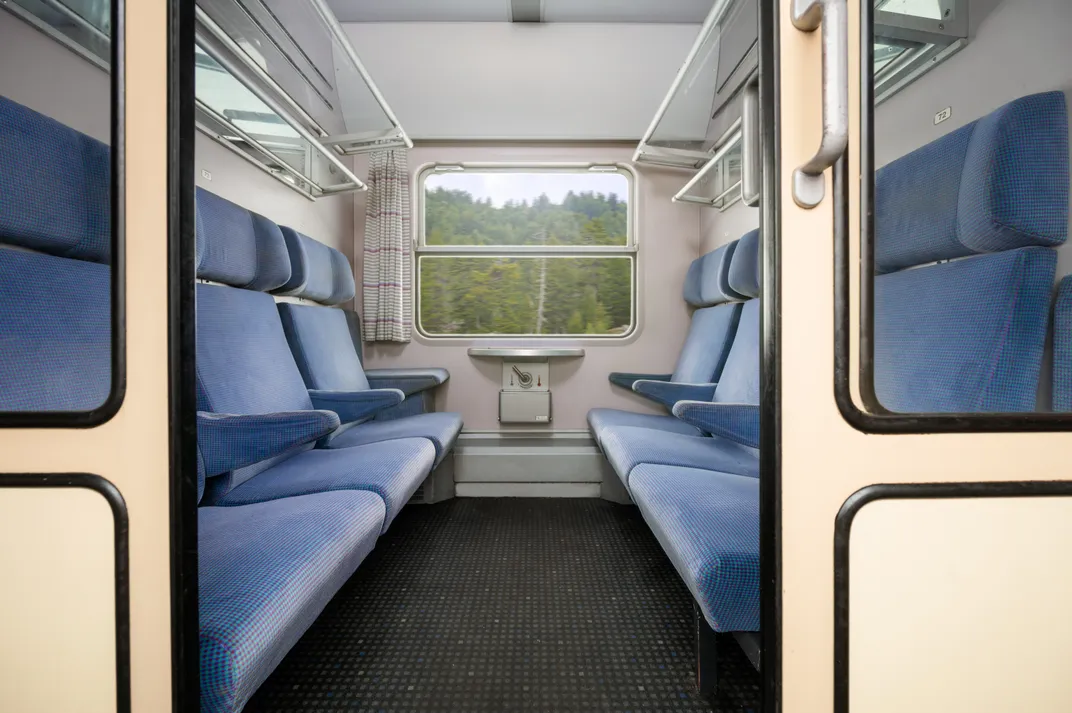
[{"x": 508, "y": 605}]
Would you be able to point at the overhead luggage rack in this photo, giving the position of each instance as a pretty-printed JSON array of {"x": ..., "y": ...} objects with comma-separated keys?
[
  {"x": 280, "y": 84},
  {"x": 697, "y": 117}
]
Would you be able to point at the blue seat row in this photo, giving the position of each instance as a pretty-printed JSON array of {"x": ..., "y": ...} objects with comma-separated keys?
[
  {"x": 287, "y": 433},
  {"x": 710, "y": 289},
  {"x": 296, "y": 480},
  {"x": 965, "y": 229}
]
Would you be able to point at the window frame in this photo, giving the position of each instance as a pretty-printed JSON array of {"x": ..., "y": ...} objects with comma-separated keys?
[
  {"x": 629, "y": 250},
  {"x": 868, "y": 416},
  {"x": 115, "y": 66}
]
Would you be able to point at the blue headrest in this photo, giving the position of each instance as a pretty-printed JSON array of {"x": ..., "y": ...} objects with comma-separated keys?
[
  {"x": 744, "y": 270},
  {"x": 317, "y": 272},
  {"x": 55, "y": 187},
  {"x": 996, "y": 184},
  {"x": 238, "y": 247},
  {"x": 707, "y": 281}
]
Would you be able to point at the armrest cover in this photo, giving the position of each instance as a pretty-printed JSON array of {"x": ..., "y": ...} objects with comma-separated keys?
[
  {"x": 669, "y": 393},
  {"x": 409, "y": 381},
  {"x": 356, "y": 405},
  {"x": 737, "y": 422},
  {"x": 230, "y": 441},
  {"x": 625, "y": 379}
]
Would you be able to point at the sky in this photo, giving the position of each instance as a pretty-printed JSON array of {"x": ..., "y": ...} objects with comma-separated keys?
[{"x": 502, "y": 186}]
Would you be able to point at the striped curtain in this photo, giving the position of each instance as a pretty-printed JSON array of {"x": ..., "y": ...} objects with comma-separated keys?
[{"x": 387, "y": 290}]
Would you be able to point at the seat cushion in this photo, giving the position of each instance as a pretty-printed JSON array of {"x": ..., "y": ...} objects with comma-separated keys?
[
  {"x": 601, "y": 418},
  {"x": 392, "y": 470},
  {"x": 627, "y": 447},
  {"x": 441, "y": 428},
  {"x": 265, "y": 572},
  {"x": 708, "y": 524}
]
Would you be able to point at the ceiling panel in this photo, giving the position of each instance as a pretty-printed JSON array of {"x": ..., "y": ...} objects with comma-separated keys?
[
  {"x": 644, "y": 11},
  {"x": 557, "y": 81},
  {"x": 421, "y": 10}
]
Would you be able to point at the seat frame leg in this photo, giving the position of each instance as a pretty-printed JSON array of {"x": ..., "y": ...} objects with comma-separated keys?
[{"x": 706, "y": 655}]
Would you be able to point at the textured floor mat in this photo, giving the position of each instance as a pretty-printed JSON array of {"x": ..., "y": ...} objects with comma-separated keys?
[{"x": 508, "y": 605}]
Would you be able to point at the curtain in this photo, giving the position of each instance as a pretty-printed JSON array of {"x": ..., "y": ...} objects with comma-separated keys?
[{"x": 387, "y": 291}]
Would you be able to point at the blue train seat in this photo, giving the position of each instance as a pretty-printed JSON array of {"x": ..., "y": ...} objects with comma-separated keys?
[
  {"x": 323, "y": 348},
  {"x": 703, "y": 356}
]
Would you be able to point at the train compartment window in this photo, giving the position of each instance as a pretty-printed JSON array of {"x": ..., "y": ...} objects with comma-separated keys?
[{"x": 526, "y": 251}]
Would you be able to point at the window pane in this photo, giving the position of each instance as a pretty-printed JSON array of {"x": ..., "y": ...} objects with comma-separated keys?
[
  {"x": 58, "y": 234},
  {"x": 525, "y": 295},
  {"x": 886, "y": 53},
  {"x": 929, "y": 9},
  {"x": 526, "y": 208}
]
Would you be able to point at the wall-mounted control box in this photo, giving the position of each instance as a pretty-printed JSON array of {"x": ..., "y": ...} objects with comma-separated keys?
[
  {"x": 525, "y": 376},
  {"x": 525, "y": 396},
  {"x": 524, "y": 406}
]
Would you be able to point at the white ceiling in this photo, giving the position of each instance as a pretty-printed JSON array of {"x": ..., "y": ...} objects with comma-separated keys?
[
  {"x": 556, "y": 81},
  {"x": 598, "y": 11}
]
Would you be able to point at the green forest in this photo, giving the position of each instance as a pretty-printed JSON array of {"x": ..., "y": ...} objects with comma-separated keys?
[{"x": 525, "y": 295}]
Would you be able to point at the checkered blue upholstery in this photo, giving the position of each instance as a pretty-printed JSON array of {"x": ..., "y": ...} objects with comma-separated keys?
[
  {"x": 55, "y": 187},
  {"x": 321, "y": 344},
  {"x": 998, "y": 183},
  {"x": 1062, "y": 347},
  {"x": 55, "y": 304},
  {"x": 265, "y": 572},
  {"x": 409, "y": 381},
  {"x": 707, "y": 280},
  {"x": 707, "y": 344},
  {"x": 603, "y": 418},
  {"x": 627, "y": 447},
  {"x": 227, "y": 441},
  {"x": 393, "y": 470},
  {"x": 708, "y": 524},
  {"x": 441, "y": 428},
  {"x": 238, "y": 247},
  {"x": 744, "y": 270},
  {"x": 317, "y": 272},
  {"x": 737, "y": 422},
  {"x": 964, "y": 336},
  {"x": 709, "y": 341}
]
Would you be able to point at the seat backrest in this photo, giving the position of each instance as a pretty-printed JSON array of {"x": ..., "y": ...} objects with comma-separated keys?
[
  {"x": 739, "y": 383},
  {"x": 319, "y": 336},
  {"x": 711, "y": 329},
  {"x": 55, "y": 249},
  {"x": 244, "y": 364},
  {"x": 1062, "y": 347},
  {"x": 990, "y": 198}
]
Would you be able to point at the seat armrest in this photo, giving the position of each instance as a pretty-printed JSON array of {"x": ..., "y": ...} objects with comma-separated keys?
[
  {"x": 625, "y": 379},
  {"x": 669, "y": 393},
  {"x": 409, "y": 381},
  {"x": 229, "y": 441},
  {"x": 737, "y": 422},
  {"x": 356, "y": 405}
]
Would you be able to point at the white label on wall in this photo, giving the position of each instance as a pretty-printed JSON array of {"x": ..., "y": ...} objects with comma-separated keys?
[
  {"x": 206, "y": 175},
  {"x": 943, "y": 115}
]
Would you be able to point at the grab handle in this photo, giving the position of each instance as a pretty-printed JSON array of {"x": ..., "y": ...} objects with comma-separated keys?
[
  {"x": 809, "y": 185},
  {"x": 750, "y": 149}
]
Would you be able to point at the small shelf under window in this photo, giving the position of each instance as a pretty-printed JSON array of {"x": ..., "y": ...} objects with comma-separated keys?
[{"x": 526, "y": 352}]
